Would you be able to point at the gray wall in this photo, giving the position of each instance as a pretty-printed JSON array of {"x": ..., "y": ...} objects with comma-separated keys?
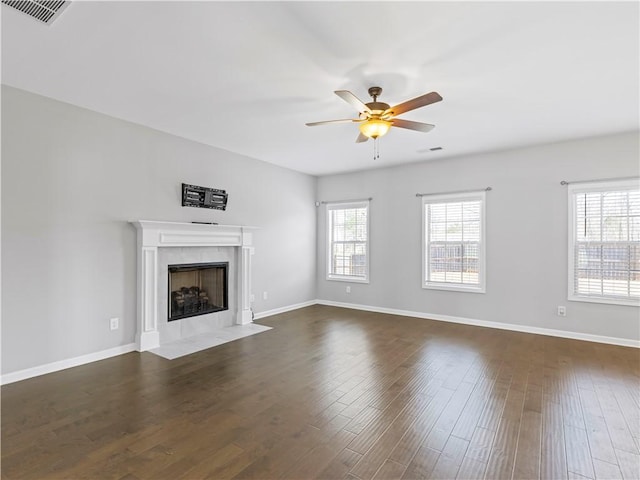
[
  {"x": 72, "y": 179},
  {"x": 526, "y": 234}
]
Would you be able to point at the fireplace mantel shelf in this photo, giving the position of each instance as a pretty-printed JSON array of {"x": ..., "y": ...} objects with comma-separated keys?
[
  {"x": 157, "y": 234},
  {"x": 177, "y": 234},
  {"x": 183, "y": 225}
]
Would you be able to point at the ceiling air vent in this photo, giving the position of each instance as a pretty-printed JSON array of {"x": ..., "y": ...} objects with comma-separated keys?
[{"x": 43, "y": 10}]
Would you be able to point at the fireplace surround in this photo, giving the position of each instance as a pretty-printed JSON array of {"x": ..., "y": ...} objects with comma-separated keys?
[{"x": 155, "y": 237}]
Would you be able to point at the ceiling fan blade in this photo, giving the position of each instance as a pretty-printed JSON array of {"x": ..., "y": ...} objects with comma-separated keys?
[
  {"x": 328, "y": 122},
  {"x": 420, "y": 127},
  {"x": 421, "y": 101},
  {"x": 361, "y": 138},
  {"x": 350, "y": 98}
]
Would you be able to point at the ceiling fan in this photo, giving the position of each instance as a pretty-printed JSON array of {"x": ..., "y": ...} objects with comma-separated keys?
[{"x": 376, "y": 118}]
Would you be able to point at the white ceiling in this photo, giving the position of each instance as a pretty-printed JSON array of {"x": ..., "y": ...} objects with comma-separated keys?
[{"x": 246, "y": 77}]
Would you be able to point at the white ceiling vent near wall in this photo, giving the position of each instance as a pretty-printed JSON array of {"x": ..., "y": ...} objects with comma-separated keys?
[{"x": 45, "y": 11}]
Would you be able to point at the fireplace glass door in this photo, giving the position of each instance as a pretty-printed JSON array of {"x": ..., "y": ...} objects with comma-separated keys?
[{"x": 197, "y": 289}]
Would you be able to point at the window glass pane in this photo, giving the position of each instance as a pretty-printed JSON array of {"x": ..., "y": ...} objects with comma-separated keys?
[
  {"x": 471, "y": 211},
  {"x": 581, "y": 230},
  {"x": 634, "y": 270},
  {"x": 634, "y": 229},
  {"x": 471, "y": 250},
  {"x": 338, "y": 249},
  {"x": 614, "y": 288},
  {"x": 453, "y": 276},
  {"x": 471, "y": 231},
  {"x": 437, "y": 267},
  {"x": 348, "y": 238},
  {"x": 592, "y": 204},
  {"x": 588, "y": 282},
  {"x": 454, "y": 212},
  {"x": 438, "y": 213},
  {"x": 614, "y": 229},
  {"x": 593, "y": 232},
  {"x": 454, "y": 232},
  {"x": 634, "y": 261},
  {"x": 615, "y": 257},
  {"x": 634, "y": 202},
  {"x": 438, "y": 232},
  {"x": 614, "y": 204},
  {"x": 580, "y": 202},
  {"x": 338, "y": 233},
  {"x": 349, "y": 225},
  {"x": 453, "y": 242},
  {"x": 588, "y": 256},
  {"x": 607, "y": 236}
]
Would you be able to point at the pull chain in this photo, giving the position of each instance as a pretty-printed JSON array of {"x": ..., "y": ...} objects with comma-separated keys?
[{"x": 376, "y": 149}]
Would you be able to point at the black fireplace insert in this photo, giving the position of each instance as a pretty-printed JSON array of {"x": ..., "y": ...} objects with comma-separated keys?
[{"x": 197, "y": 289}]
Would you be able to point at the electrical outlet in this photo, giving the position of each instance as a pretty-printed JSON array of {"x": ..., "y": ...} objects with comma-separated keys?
[
  {"x": 265, "y": 295},
  {"x": 348, "y": 289},
  {"x": 113, "y": 323},
  {"x": 562, "y": 311},
  {"x": 252, "y": 298}
]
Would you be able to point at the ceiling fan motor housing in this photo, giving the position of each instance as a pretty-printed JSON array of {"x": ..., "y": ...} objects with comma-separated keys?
[{"x": 377, "y": 107}]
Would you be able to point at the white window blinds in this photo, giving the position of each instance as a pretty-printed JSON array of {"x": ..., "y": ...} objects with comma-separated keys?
[
  {"x": 605, "y": 242},
  {"x": 454, "y": 241},
  {"x": 348, "y": 241}
]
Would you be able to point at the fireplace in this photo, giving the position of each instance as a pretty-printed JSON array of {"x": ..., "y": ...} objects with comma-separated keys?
[
  {"x": 197, "y": 289},
  {"x": 161, "y": 244}
]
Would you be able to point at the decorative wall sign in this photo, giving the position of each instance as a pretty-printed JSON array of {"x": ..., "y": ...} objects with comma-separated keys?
[{"x": 203, "y": 197}]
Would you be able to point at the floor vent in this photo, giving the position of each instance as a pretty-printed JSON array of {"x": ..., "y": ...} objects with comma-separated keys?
[{"x": 45, "y": 11}]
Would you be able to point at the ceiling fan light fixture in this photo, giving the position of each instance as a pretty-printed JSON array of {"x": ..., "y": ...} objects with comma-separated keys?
[{"x": 375, "y": 127}]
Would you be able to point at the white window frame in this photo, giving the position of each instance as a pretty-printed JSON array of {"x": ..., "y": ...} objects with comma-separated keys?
[
  {"x": 345, "y": 206},
  {"x": 585, "y": 187},
  {"x": 457, "y": 287}
]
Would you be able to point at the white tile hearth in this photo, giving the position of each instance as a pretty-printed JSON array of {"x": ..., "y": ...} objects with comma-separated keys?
[{"x": 196, "y": 343}]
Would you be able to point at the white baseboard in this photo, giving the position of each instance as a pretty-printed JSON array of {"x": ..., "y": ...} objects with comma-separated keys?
[
  {"x": 625, "y": 342},
  {"x": 112, "y": 352},
  {"x": 288, "y": 308},
  {"x": 64, "y": 364}
]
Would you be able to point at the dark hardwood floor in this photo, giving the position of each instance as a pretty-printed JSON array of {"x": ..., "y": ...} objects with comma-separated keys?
[{"x": 334, "y": 393}]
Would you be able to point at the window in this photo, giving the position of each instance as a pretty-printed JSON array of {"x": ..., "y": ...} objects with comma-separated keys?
[
  {"x": 604, "y": 242},
  {"x": 453, "y": 247},
  {"x": 348, "y": 241}
]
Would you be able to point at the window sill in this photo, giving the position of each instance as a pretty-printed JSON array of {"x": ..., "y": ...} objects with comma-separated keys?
[
  {"x": 348, "y": 279},
  {"x": 453, "y": 288},
  {"x": 609, "y": 301}
]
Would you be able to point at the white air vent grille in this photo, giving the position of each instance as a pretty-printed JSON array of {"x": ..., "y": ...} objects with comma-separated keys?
[{"x": 44, "y": 10}]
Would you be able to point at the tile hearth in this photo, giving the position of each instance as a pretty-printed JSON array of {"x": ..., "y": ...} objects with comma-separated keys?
[{"x": 203, "y": 341}]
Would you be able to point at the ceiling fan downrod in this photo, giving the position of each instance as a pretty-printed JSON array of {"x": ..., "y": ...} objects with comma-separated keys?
[{"x": 375, "y": 92}]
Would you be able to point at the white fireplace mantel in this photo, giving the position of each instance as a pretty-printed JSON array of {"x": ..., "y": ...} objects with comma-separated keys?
[{"x": 153, "y": 235}]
